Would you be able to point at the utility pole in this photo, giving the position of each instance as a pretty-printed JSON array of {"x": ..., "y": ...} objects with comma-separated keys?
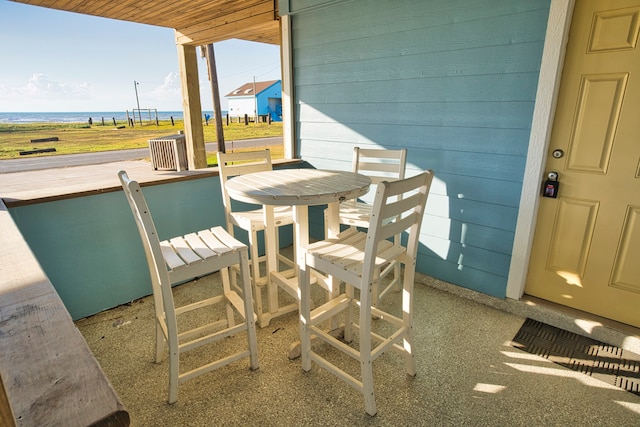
[
  {"x": 217, "y": 111},
  {"x": 255, "y": 100},
  {"x": 135, "y": 86}
]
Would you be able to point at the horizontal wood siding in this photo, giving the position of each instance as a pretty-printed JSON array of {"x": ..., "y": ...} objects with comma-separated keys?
[{"x": 452, "y": 81}]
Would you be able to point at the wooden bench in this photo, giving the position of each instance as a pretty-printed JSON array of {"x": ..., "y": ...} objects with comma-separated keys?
[{"x": 48, "y": 372}]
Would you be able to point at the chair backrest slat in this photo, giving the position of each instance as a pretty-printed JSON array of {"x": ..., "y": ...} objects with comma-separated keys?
[
  {"x": 397, "y": 207},
  {"x": 240, "y": 163},
  {"x": 233, "y": 164},
  {"x": 397, "y": 227},
  {"x": 379, "y": 164},
  {"x": 377, "y": 167},
  {"x": 408, "y": 210},
  {"x": 145, "y": 224}
]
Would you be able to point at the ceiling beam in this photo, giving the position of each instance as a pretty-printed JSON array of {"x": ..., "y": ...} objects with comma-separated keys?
[
  {"x": 258, "y": 21},
  {"x": 197, "y": 22}
]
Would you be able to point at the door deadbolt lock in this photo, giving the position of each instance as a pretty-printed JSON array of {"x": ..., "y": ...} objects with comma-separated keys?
[
  {"x": 557, "y": 153},
  {"x": 551, "y": 185}
]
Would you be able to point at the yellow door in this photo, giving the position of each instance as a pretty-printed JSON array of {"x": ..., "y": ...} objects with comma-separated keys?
[{"x": 586, "y": 250}]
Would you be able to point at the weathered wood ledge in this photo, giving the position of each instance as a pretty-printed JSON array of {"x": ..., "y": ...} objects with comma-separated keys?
[{"x": 49, "y": 374}]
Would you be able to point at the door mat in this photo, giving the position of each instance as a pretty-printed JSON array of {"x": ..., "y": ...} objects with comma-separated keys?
[{"x": 602, "y": 361}]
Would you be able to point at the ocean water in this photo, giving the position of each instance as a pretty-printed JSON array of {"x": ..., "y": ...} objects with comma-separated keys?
[{"x": 83, "y": 117}]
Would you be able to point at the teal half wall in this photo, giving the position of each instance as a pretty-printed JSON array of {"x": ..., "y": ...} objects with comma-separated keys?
[{"x": 90, "y": 248}]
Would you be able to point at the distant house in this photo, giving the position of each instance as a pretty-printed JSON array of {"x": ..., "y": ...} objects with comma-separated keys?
[{"x": 267, "y": 96}]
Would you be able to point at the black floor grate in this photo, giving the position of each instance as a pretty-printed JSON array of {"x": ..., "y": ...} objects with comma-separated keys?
[{"x": 605, "y": 362}]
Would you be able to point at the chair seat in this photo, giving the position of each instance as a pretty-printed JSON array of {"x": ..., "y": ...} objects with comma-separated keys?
[
  {"x": 185, "y": 254},
  {"x": 344, "y": 254},
  {"x": 254, "y": 220}
]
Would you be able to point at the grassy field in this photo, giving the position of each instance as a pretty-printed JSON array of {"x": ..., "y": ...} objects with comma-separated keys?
[{"x": 82, "y": 138}]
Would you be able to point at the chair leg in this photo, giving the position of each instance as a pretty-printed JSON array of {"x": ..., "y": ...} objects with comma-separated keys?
[
  {"x": 367, "y": 387},
  {"x": 234, "y": 282},
  {"x": 160, "y": 341},
  {"x": 375, "y": 289},
  {"x": 248, "y": 311},
  {"x": 407, "y": 318},
  {"x": 334, "y": 292},
  {"x": 326, "y": 224},
  {"x": 174, "y": 355},
  {"x": 380, "y": 289},
  {"x": 254, "y": 260},
  {"x": 348, "y": 314},
  {"x": 397, "y": 275},
  {"x": 174, "y": 367},
  {"x": 225, "y": 275},
  {"x": 366, "y": 361},
  {"x": 161, "y": 338},
  {"x": 305, "y": 318}
]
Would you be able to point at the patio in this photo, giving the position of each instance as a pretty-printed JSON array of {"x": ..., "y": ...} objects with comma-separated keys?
[
  {"x": 467, "y": 372},
  {"x": 489, "y": 123}
]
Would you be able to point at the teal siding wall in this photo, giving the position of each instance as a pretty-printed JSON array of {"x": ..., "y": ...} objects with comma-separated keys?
[
  {"x": 90, "y": 248},
  {"x": 452, "y": 81}
]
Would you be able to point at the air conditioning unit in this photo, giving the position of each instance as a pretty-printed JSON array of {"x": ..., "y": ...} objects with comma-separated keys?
[{"x": 169, "y": 153}]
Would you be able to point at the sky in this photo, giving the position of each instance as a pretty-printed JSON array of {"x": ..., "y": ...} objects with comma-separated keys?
[{"x": 56, "y": 61}]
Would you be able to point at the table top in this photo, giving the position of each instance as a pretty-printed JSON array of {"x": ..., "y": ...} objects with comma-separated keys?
[{"x": 289, "y": 187}]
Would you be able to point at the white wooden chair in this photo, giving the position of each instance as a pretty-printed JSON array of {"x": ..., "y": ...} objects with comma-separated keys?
[
  {"x": 252, "y": 221},
  {"x": 353, "y": 257},
  {"x": 184, "y": 258},
  {"x": 379, "y": 165}
]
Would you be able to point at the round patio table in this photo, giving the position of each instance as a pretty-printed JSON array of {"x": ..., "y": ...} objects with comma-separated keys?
[{"x": 299, "y": 188}]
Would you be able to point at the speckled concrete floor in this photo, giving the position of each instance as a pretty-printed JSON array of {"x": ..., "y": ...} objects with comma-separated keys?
[{"x": 468, "y": 374}]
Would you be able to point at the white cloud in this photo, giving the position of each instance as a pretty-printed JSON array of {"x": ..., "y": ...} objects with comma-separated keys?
[
  {"x": 40, "y": 93},
  {"x": 170, "y": 88},
  {"x": 166, "y": 96},
  {"x": 40, "y": 86}
]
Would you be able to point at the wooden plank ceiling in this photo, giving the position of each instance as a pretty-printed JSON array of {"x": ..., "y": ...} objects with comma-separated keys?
[{"x": 197, "y": 22}]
